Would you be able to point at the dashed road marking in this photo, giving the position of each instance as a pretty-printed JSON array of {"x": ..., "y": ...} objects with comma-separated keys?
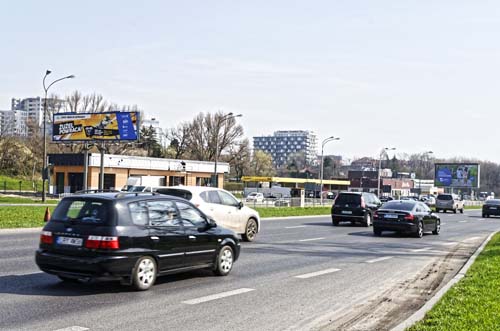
[
  {"x": 448, "y": 243},
  {"x": 482, "y": 219},
  {"x": 217, "y": 296},
  {"x": 73, "y": 328},
  {"x": 462, "y": 221},
  {"x": 295, "y": 227},
  {"x": 472, "y": 238},
  {"x": 311, "y": 239},
  {"x": 379, "y": 259},
  {"x": 317, "y": 273},
  {"x": 420, "y": 249}
]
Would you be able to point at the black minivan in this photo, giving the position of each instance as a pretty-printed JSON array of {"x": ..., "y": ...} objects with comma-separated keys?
[
  {"x": 132, "y": 237},
  {"x": 355, "y": 207}
]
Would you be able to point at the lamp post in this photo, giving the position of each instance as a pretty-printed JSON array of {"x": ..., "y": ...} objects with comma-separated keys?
[
  {"x": 45, "y": 171},
  {"x": 219, "y": 122},
  {"x": 420, "y": 180},
  {"x": 380, "y": 166},
  {"x": 327, "y": 140}
]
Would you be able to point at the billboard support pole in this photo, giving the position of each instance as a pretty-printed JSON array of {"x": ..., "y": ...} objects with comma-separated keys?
[
  {"x": 85, "y": 166},
  {"x": 101, "y": 174}
]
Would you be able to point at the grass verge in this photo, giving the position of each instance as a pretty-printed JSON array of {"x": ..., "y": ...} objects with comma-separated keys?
[
  {"x": 292, "y": 211},
  {"x": 8, "y": 199},
  {"x": 22, "y": 217},
  {"x": 473, "y": 207},
  {"x": 473, "y": 303},
  {"x": 12, "y": 184}
]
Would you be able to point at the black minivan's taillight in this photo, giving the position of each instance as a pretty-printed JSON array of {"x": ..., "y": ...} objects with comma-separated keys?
[
  {"x": 102, "y": 242},
  {"x": 46, "y": 238}
]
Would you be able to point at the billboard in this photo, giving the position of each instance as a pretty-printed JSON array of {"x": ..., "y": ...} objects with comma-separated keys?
[
  {"x": 459, "y": 175},
  {"x": 112, "y": 126}
]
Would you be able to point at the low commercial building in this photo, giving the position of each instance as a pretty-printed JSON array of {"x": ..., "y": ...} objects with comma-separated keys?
[{"x": 67, "y": 171}]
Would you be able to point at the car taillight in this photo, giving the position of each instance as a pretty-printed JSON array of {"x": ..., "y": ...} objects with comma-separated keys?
[
  {"x": 100, "y": 242},
  {"x": 409, "y": 217},
  {"x": 46, "y": 237},
  {"x": 363, "y": 205}
]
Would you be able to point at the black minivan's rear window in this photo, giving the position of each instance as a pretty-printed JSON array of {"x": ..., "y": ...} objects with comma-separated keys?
[
  {"x": 348, "y": 199},
  {"x": 82, "y": 211},
  {"x": 176, "y": 193}
]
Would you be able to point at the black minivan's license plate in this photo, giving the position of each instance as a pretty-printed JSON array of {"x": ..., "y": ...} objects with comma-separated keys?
[{"x": 69, "y": 241}]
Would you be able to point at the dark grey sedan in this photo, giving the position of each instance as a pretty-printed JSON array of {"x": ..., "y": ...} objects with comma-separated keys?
[{"x": 406, "y": 216}]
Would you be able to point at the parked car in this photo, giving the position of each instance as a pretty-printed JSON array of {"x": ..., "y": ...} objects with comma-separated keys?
[
  {"x": 354, "y": 207},
  {"x": 406, "y": 216},
  {"x": 132, "y": 237},
  {"x": 430, "y": 201},
  {"x": 222, "y": 206},
  {"x": 255, "y": 197},
  {"x": 386, "y": 198},
  {"x": 451, "y": 202},
  {"x": 491, "y": 207}
]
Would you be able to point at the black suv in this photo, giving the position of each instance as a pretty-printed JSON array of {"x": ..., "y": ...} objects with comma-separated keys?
[
  {"x": 132, "y": 237},
  {"x": 355, "y": 207}
]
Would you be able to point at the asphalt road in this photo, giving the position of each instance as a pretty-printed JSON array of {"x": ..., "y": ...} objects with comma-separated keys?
[{"x": 300, "y": 274}]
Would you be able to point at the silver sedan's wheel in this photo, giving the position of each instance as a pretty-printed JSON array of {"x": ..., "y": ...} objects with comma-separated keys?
[
  {"x": 250, "y": 230},
  {"x": 224, "y": 262},
  {"x": 144, "y": 273}
]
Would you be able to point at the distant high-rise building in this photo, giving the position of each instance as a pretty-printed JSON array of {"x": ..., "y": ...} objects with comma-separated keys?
[
  {"x": 7, "y": 122},
  {"x": 29, "y": 113},
  {"x": 154, "y": 123},
  {"x": 282, "y": 144}
]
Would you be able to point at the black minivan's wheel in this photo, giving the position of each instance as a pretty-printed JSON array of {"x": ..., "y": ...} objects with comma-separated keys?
[
  {"x": 335, "y": 222},
  {"x": 144, "y": 273},
  {"x": 368, "y": 219},
  {"x": 250, "y": 230},
  {"x": 438, "y": 227},
  {"x": 224, "y": 261},
  {"x": 420, "y": 230},
  {"x": 377, "y": 232}
]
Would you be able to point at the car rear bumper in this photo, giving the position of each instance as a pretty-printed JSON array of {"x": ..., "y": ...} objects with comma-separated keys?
[
  {"x": 344, "y": 217},
  {"x": 394, "y": 226},
  {"x": 491, "y": 211},
  {"x": 85, "y": 267}
]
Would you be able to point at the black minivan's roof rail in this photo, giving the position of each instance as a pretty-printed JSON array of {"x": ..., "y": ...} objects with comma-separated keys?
[
  {"x": 97, "y": 191},
  {"x": 124, "y": 194}
]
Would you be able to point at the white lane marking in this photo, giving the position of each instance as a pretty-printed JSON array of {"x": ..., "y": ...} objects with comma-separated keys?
[
  {"x": 317, "y": 273},
  {"x": 482, "y": 219},
  {"x": 73, "y": 328},
  {"x": 379, "y": 259},
  {"x": 311, "y": 239},
  {"x": 420, "y": 249},
  {"x": 217, "y": 296},
  {"x": 442, "y": 223},
  {"x": 295, "y": 227},
  {"x": 448, "y": 243},
  {"x": 472, "y": 238},
  {"x": 462, "y": 221}
]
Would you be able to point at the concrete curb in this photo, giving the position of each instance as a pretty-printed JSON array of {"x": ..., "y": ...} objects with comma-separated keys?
[
  {"x": 20, "y": 230},
  {"x": 420, "y": 314}
]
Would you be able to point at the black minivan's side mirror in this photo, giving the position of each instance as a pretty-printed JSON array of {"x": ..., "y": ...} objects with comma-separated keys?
[{"x": 212, "y": 223}]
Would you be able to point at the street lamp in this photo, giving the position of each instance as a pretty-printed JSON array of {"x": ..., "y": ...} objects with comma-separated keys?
[
  {"x": 45, "y": 171},
  {"x": 327, "y": 140},
  {"x": 219, "y": 122},
  {"x": 420, "y": 179},
  {"x": 380, "y": 166}
]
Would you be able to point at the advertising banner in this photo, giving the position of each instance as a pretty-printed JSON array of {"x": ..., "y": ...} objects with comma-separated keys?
[
  {"x": 459, "y": 175},
  {"x": 114, "y": 126}
]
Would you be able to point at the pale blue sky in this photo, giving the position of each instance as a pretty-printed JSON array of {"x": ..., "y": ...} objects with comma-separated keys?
[{"x": 418, "y": 75}]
